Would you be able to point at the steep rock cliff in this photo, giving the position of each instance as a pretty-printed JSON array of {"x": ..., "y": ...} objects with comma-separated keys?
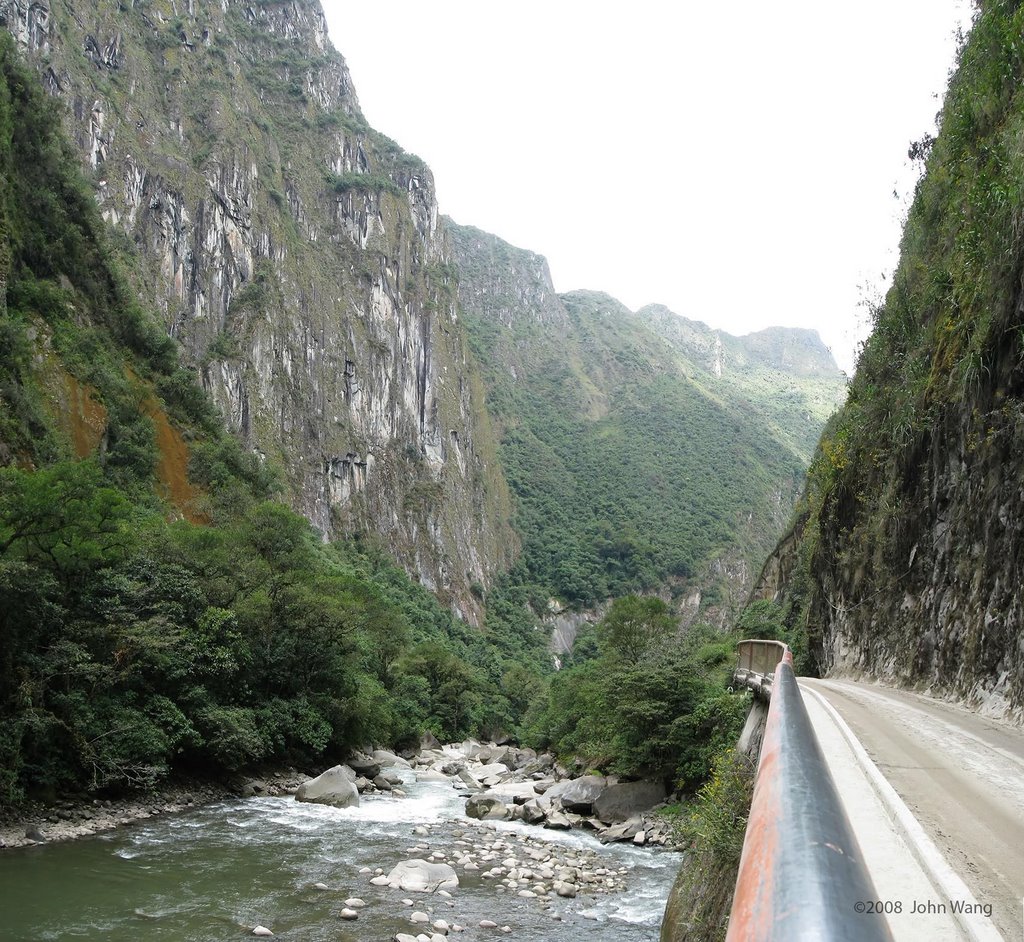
[
  {"x": 905, "y": 561},
  {"x": 296, "y": 255},
  {"x": 646, "y": 452}
]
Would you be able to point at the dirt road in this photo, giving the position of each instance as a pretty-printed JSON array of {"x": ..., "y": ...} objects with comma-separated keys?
[{"x": 961, "y": 774}]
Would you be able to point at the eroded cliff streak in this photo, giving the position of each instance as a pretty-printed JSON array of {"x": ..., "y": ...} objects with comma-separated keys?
[{"x": 297, "y": 256}]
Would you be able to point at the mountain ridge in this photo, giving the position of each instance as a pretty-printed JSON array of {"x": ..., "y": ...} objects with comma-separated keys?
[{"x": 577, "y": 382}]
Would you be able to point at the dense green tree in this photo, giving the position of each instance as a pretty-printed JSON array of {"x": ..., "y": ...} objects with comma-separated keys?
[
  {"x": 649, "y": 702},
  {"x": 634, "y": 624}
]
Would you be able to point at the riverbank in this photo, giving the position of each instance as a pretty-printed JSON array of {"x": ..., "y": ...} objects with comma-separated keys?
[{"x": 74, "y": 817}]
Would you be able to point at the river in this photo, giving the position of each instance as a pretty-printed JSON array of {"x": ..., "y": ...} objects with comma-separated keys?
[{"x": 216, "y": 872}]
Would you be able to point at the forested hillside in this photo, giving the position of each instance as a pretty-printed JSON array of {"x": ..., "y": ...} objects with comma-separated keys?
[
  {"x": 644, "y": 451},
  {"x": 905, "y": 559}
]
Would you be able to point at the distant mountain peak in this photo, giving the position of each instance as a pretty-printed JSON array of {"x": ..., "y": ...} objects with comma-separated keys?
[{"x": 799, "y": 351}]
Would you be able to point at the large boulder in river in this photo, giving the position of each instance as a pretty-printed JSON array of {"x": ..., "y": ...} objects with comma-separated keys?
[
  {"x": 470, "y": 748},
  {"x": 513, "y": 791},
  {"x": 467, "y": 779},
  {"x": 540, "y": 763},
  {"x": 628, "y": 799},
  {"x": 493, "y": 770},
  {"x": 388, "y": 760},
  {"x": 621, "y": 832},
  {"x": 336, "y": 786},
  {"x": 483, "y": 807},
  {"x": 423, "y": 876},
  {"x": 578, "y": 794},
  {"x": 558, "y": 821}
]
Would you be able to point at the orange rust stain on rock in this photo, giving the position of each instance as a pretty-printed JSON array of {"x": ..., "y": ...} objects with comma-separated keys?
[{"x": 172, "y": 463}]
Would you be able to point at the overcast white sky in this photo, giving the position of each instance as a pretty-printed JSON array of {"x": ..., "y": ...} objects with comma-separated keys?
[{"x": 735, "y": 161}]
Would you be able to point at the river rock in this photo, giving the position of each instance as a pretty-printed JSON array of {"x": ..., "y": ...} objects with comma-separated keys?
[
  {"x": 627, "y": 799},
  {"x": 558, "y": 821},
  {"x": 541, "y": 763},
  {"x": 334, "y": 787},
  {"x": 388, "y": 760},
  {"x": 493, "y": 770},
  {"x": 382, "y": 784},
  {"x": 483, "y": 807},
  {"x": 262, "y": 930},
  {"x": 619, "y": 832},
  {"x": 422, "y": 876},
  {"x": 363, "y": 765},
  {"x": 533, "y": 813},
  {"x": 518, "y": 792},
  {"x": 349, "y": 914},
  {"x": 578, "y": 794}
]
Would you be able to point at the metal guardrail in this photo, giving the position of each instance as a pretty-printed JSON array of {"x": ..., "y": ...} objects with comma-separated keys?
[{"x": 801, "y": 873}]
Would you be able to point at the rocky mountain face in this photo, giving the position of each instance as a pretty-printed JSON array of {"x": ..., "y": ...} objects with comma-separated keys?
[
  {"x": 905, "y": 561},
  {"x": 646, "y": 452},
  {"x": 296, "y": 255}
]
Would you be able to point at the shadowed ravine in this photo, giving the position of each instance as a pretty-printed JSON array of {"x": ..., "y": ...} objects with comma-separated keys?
[{"x": 217, "y": 872}]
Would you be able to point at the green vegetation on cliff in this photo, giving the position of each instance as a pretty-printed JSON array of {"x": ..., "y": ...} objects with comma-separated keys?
[
  {"x": 905, "y": 553},
  {"x": 160, "y": 610},
  {"x": 642, "y": 450}
]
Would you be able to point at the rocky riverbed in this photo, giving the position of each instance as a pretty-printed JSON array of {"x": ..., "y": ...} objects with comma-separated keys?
[
  {"x": 317, "y": 872},
  {"x": 504, "y": 783}
]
